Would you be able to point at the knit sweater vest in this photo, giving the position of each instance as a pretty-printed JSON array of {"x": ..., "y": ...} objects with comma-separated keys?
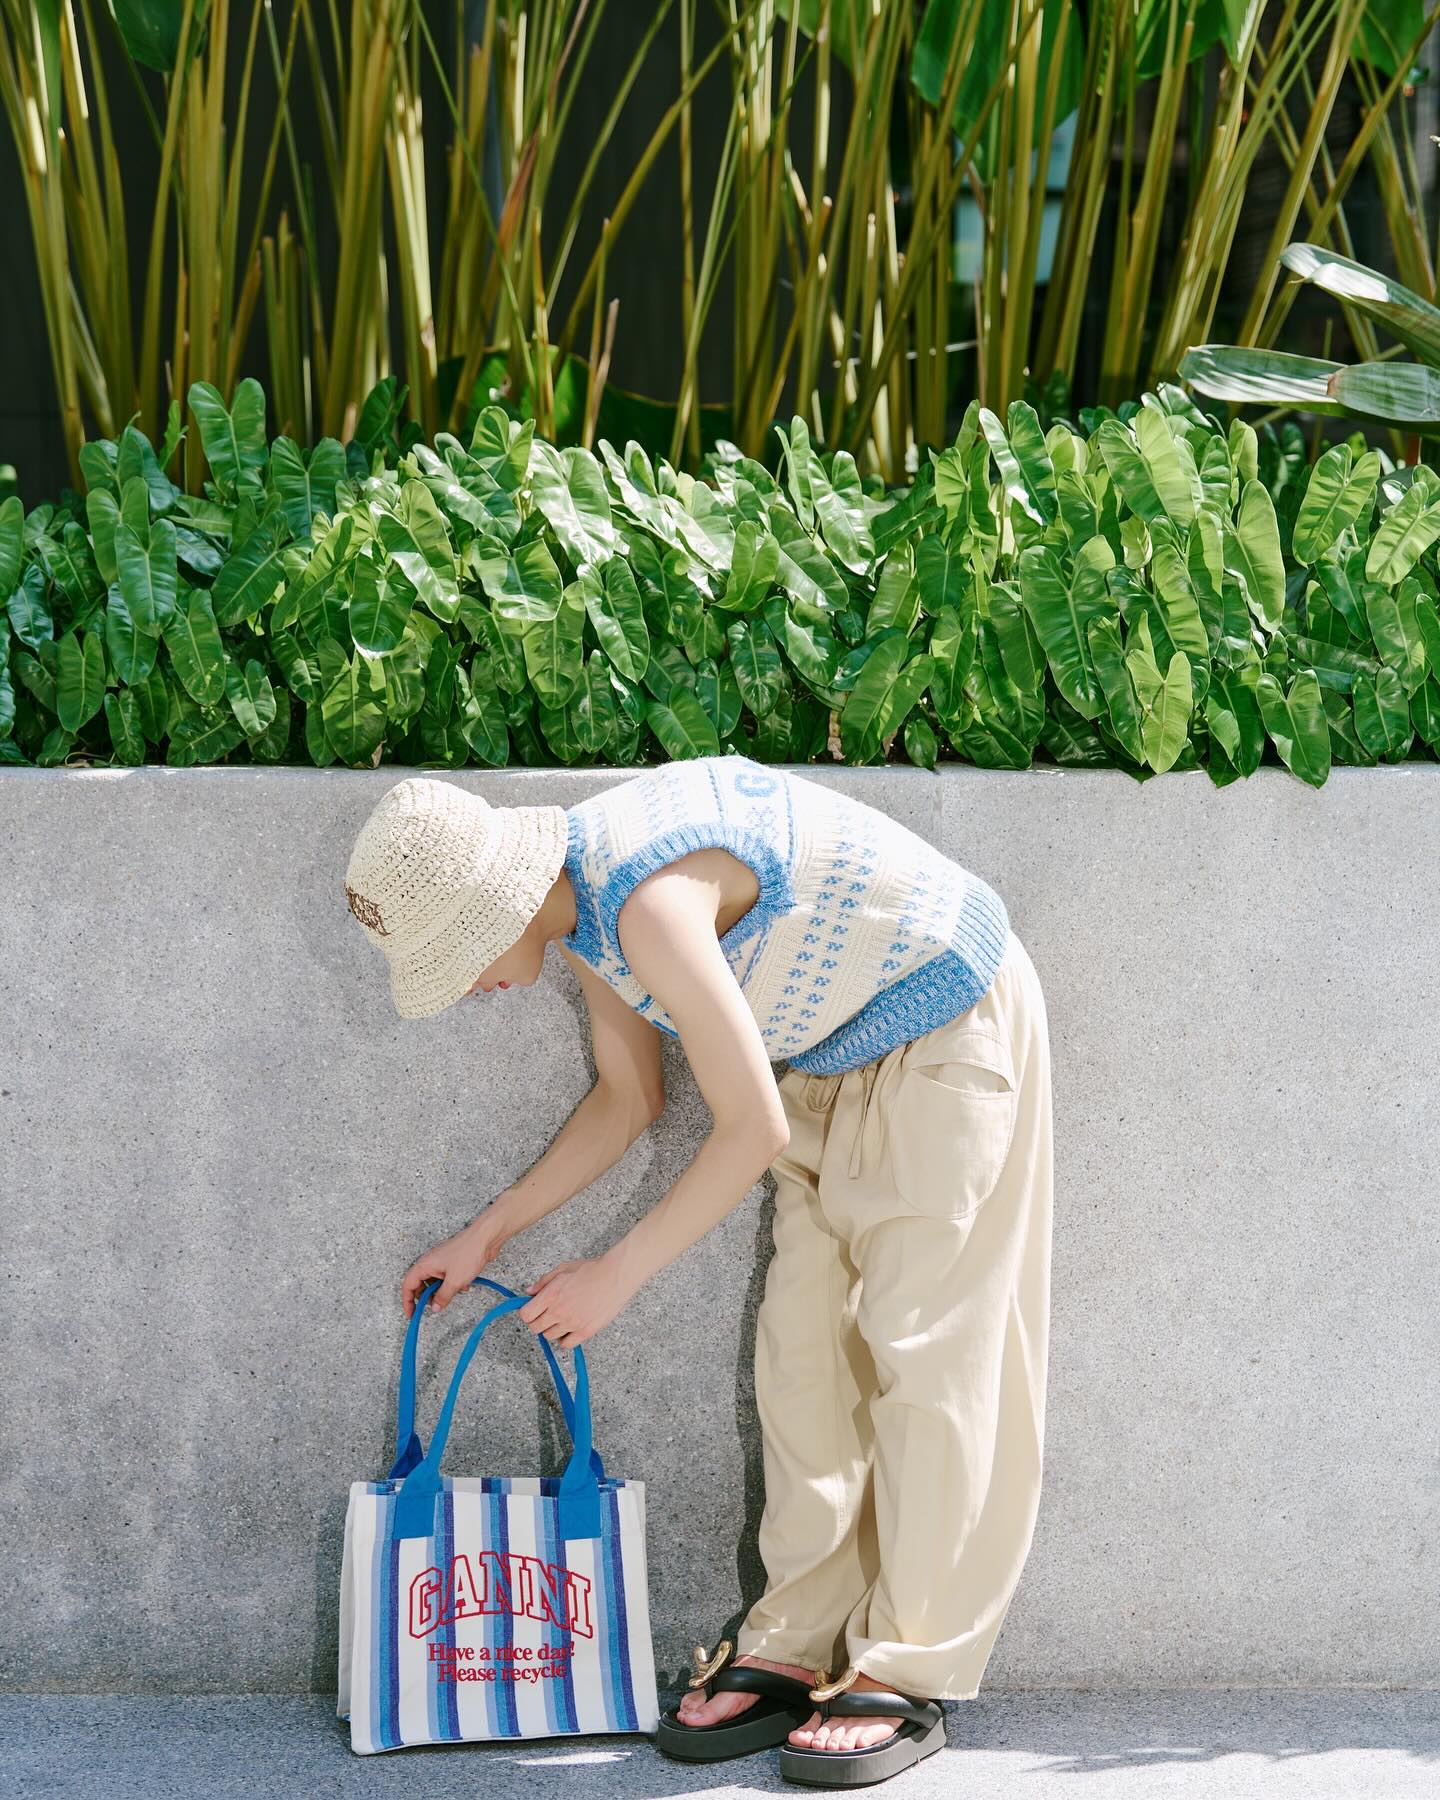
[{"x": 863, "y": 936}]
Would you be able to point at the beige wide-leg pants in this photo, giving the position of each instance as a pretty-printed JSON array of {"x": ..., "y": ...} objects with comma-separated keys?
[{"x": 901, "y": 1349}]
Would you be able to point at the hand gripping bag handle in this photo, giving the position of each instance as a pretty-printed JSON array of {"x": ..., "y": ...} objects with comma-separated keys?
[
  {"x": 409, "y": 1450},
  {"x": 414, "y": 1514}
]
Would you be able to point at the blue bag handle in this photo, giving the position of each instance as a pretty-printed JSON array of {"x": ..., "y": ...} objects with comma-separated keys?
[
  {"x": 414, "y": 1514},
  {"x": 409, "y": 1450}
]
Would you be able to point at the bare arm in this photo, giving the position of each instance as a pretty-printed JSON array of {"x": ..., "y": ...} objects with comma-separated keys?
[
  {"x": 667, "y": 931},
  {"x": 628, "y": 1095}
]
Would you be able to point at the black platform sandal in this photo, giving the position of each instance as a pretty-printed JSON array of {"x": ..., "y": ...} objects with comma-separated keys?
[
  {"x": 784, "y": 1703},
  {"x": 920, "y": 1734}
]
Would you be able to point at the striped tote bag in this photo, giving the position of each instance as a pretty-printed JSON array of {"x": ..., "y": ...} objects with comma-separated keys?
[{"x": 490, "y": 1606}]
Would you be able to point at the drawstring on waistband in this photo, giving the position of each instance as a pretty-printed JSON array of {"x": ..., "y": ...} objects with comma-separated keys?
[{"x": 869, "y": 1073}]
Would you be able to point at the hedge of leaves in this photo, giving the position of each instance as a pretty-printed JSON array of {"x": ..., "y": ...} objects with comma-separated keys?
[{"x": 1149, "y": 591}]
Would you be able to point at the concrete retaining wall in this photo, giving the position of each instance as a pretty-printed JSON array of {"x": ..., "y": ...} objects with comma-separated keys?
[{"x": 220, "y": 1149}]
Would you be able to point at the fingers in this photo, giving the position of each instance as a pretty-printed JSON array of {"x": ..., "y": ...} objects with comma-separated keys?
[
  {"x": 415, "y": 1278},
  {"x": 448, "y": 1289},
  {"x": 543, "y": 1318}
]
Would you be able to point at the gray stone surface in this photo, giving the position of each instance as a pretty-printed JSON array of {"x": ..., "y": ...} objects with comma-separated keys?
[
  {"x": 1345, "y": 1744},
  {"x": 221, "y": 1148}
]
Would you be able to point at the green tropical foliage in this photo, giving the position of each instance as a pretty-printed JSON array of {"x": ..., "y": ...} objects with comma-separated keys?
[
  {"x": 1380, "y": 391},
  {"x": 1147, "y": 592}
]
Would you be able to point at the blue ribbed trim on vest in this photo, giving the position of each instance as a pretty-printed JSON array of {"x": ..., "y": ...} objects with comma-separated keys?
[
  {"x": 596, "y": 915},
  {"x": 933, "y": 994}
]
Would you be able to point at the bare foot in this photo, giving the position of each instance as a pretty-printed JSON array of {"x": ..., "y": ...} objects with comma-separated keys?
[
  {"x": 841, "y": 1733},
  {"x": 695, "y": 1709}
]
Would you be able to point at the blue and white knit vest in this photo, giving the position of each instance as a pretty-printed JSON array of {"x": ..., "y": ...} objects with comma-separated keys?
[{"x": 864, "y": 935}]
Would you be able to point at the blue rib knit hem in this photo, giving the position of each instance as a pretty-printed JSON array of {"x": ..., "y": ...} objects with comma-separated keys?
[{"x": 934, "y": 994}]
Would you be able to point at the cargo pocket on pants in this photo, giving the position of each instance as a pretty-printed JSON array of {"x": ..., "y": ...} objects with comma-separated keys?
[{"x": 951, "y": 1122}]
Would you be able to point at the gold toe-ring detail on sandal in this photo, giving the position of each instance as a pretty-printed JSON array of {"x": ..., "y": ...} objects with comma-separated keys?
[
  {"x": 705, "y": 1664},
  {"x": 827, "y": 1690}
]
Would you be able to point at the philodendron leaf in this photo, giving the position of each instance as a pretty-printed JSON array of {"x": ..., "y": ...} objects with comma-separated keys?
[
  {"x": 1026, "y": 471},
  {"x": 801, "y": 464},
  {"x": 840, "y": 509},
  {"x": 353, "y": 712},
  {"x": 1383, "y": 715},
  {"x": 1165, "y": 702},
  {"x": 482, "y": 712},
  {"x": 921, "y": 744},
  {"x": 1178, "y": 602},
  {"x": 234, "y": 438},
  {"x": 618, "y": 618},
  {"x": 193, "y": 640},
  {"x": 380, "y": 605},
  {"x": 952, "y": 646},
  {"x": 1170, "y": 464},
  {"x": 1396, "y": 628},
  {"x": 1108, "y": 655},
  {"x": 862, "y": 718},
  {"x": 757, "y": 665},
  {"x": 905, "y": 691},
  {"x": 754, "y": 565},
  {"x": 299, "y": 664},
  {"x": 813, "y": 653},
  {"x": 805, "y": 571},
  {"x": 250, "y": 576},
  {"x": 29, "y": 609},
  {"x": 132, "y": 652},
  {"x": 419, "y": 543},
  {"x": 682, "y": 724},
  {"x": 1297, "y": 724},
  {"x": 1116, "y": 444},
  {"x": 552, "y": 649},
  {"x": 102, "y": 516},
  {"x": 719, "y": 693},
  {"x": 155, "y": 705},
  {"x": 944, "y": 576},
  {"x": 523, "y": 588},
  {"x": 1405, "y": 532},
  {"x": 151, "y": 29},
  {"x": 592, "y": 708},
  {"x": 1233, "y": 717},
  {"x": 12, "y": 542},
  {"x": 306, "y": 484},
  {"x": 1341, "y": 488},
  {"x": 203, "y": 737},
  {"x": 1425, "y": 713},
  {"x": 569, "y": 490},
  {"x": 79, "y": 678},
  {"x": 1061, "y": 608},
  {"x": 1252, "y": 554},
  {"x": 146, "y": 574},
  {"x": 897, "y": 595},
  {"x": 251, "y": 697},
  {"x": 127, "y": 738}
]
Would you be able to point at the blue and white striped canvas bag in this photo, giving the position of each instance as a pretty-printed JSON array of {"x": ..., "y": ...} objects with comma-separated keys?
[{"x": 491, "y": 1606}]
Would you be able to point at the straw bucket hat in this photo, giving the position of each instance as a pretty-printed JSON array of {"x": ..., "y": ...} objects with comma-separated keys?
[{"x": 443, "y": 883}]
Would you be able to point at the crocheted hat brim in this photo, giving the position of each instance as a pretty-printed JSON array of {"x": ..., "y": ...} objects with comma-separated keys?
[{"x": 527, "y": 854}]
